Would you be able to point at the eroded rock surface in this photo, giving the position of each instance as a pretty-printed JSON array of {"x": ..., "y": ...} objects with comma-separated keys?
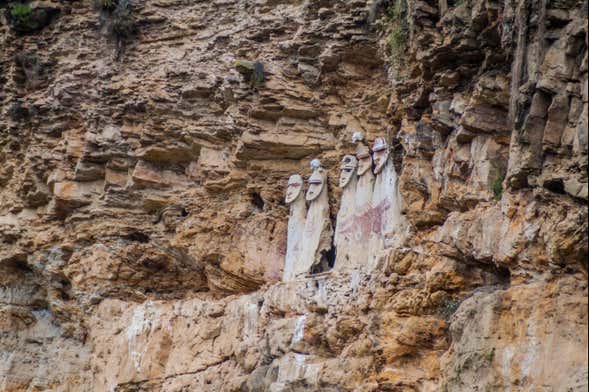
[{"x": 143, "y": 162}]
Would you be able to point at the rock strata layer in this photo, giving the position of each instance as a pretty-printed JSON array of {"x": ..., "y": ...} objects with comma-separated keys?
[{"x": 144, "y": 156}]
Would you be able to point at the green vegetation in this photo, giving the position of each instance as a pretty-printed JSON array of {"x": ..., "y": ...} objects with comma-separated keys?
[
  {"x": 21, "y": 15},
  {"x": 460, "y": 3},
  {"x": 118, "y": 21},
  {"x": 398, "y": 36},
  {"x": 253, "y": 72},
  {"x": 17, "y": 112},
  {"x": 123, "y": 23},
  {"x": 25, "y": 18},
  {"x": 490, "y": 355},
  {"x": 448, "y": 308},
  {"x": 108, "y": 4},
  {"x": 395, "y": 12},
  {"x": 397, "y": 41},
  {"x": 258, "y": 76},
  {"x": 498, "y": 188}
]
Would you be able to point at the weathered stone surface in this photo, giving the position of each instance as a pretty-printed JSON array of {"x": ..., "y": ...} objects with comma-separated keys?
[
  {"x": 499, "y": 341},
  {"x": 143, "y": 230}
]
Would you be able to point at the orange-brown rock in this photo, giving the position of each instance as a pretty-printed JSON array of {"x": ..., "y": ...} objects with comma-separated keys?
[{"x": 142, "y": 176}]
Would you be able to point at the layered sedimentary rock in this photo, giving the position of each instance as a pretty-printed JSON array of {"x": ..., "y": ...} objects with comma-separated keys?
[{"x": 143, "y": 162}]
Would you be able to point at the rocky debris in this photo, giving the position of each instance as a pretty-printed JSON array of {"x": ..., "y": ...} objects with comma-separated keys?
[{"x": 485, "y": 106}]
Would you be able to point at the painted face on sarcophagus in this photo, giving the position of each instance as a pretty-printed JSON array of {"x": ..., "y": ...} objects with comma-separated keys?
[
  {"x": 316, "y": 184},
  {"x": 364, "y": 159},
  {"x": 381, "y": 154},
  {"x": 294, "y": 188},
  {"x": 348, "y": 167}
]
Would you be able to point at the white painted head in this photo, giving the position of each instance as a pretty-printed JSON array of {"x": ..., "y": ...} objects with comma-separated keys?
[
  {"x": 348, "y": 167},
  {"x": 357, "y": 137},
  {"x": 316, "y": 184},
  {"x": 381, "y": 152},
  {"x": 315, "y": 164},
  {"x": 364, "y": 159},
  {"x": 294, "y": 189}
]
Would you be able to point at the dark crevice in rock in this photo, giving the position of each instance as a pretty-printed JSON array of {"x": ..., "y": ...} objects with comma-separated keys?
[
  {"x": 555, "y": 185},
  {"x": 138, "y": 237},
  {"x": 326, "y": 263},
  {"x": 258, "y": 201},
  {"x": 18, "y": 264}
]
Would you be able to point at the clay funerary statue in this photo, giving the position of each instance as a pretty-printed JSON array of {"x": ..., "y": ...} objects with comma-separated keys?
[
  {"x": 385, "y": 201},
  {"x": 357, "y": 227},
  {"x": 317, "y": 233},
  {"x": 368, "y": 222},
  {"x": 296, "y": 224},
  {"x": 344, "y": 241}
]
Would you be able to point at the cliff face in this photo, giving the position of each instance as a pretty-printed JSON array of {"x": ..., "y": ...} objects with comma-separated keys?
[{"x": 143, "y": 168}]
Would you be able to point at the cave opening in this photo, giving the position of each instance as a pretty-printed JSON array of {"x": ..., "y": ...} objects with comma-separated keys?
[
  {"x": 555, "y": 185},
  {"x": 326, "y": 263},
  {"x": 504, "y": 275},
  {"x": 19, "y": 264},
  {"x": 257, "y": 201}
]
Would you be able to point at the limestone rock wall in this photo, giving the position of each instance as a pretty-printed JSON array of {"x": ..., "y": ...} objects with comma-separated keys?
[{"x": 142, "y": 173}]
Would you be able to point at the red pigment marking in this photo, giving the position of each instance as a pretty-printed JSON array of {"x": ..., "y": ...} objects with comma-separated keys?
[{"x": 370, "y": 221}]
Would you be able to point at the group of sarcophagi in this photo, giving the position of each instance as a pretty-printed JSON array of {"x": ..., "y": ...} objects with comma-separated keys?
[{"x": 369, "y": 219}]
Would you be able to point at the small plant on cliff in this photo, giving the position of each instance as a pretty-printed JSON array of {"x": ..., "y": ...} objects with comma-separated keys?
[
  {"x": 118, "y": 21},
  {"x": 123, "y": 21},
  {"x": 17, "y": 112},
  {"x": 21, "y": 14},
  {"x": 108, "y": 4},
  {"x": 398, "y": 32},
  {"x": 395, "y": 11},
  {"x": 29, "y": 19},
  {"x": 460, "y": 3},
  {"x": 397, "y": 41},
  {"x": 21, "y": 11},
  {"x": 448, "y": 308},
  {"x": 490, "y": 355},
  {"x": 253, "y": 72},
  {"x": 498, "y": 188}
]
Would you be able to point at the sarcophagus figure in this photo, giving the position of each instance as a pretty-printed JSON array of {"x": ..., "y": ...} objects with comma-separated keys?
[
  {"x": 344, "y": 240},
  {"x": 295, "y": 199},
  {"x": 386, "y": 201},
  {"x": 318, "y": 233},
  {"x": 359, "y": 226}
]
